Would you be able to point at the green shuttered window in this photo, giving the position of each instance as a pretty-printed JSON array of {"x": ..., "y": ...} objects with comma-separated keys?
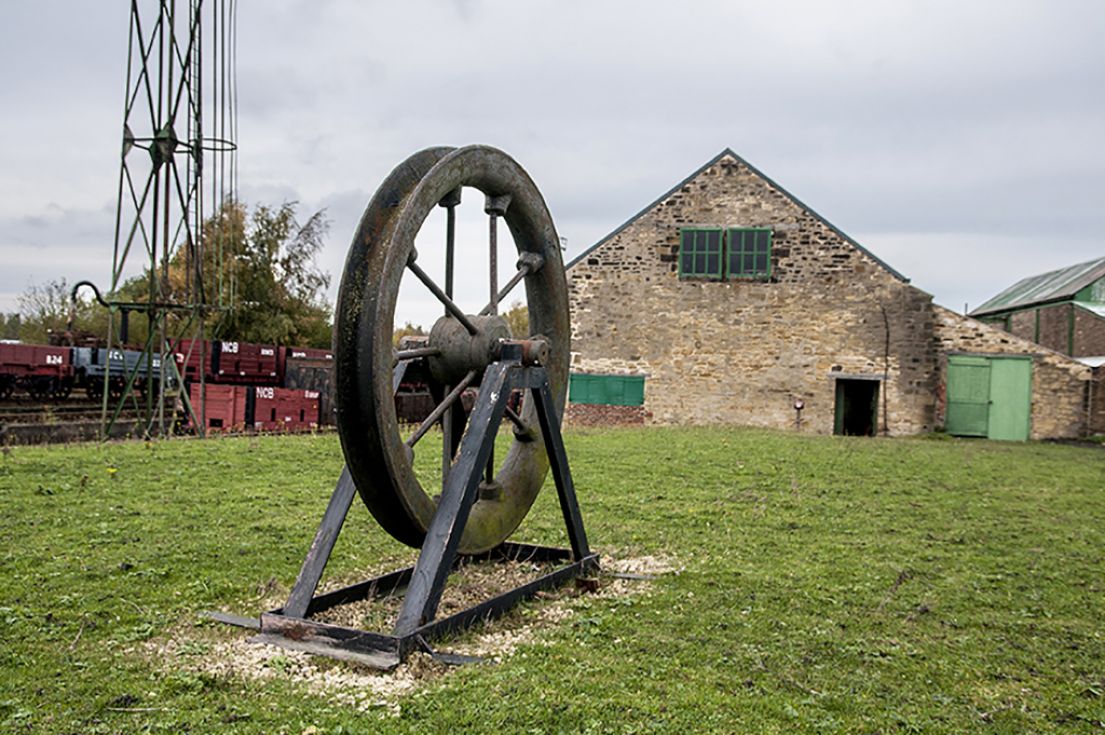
[
  {"x": 607, "y": 390},
  {"x": 749, "y": 253},
  {"x": 717, "y": 254},
  {"x": 700, "y": 254}
]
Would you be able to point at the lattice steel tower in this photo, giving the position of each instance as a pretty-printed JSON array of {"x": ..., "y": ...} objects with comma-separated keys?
[{"x": 178, "y": 168}]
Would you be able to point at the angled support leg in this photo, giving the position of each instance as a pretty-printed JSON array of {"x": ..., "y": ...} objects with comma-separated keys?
[
  {"x": 332, "y": 520},
  {"x": 562, "y": 475},
  {"x": 315, "y": 562},
  {"x": 443, "y": 537}
]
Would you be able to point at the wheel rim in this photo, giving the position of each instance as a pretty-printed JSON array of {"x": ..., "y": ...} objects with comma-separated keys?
[{"x": 378, "y": 459}]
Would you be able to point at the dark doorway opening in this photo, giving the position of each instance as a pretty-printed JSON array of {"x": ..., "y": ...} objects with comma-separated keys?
[{"x": 857, "y": 407}]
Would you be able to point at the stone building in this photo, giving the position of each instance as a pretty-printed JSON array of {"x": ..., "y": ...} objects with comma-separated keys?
[
  {"x": 1064, "y": 310},
  {"x": 728, "y": 300}
]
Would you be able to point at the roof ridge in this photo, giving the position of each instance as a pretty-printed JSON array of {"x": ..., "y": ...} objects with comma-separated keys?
[
  {"x": 1094, "y": 261},
  {"x": 771, "y": 182},
  {"x": 1042, "y": 288},
  {"x": 617, "y": 230}
]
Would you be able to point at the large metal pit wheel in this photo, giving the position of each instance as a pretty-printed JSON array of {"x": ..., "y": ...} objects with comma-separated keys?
[{"x": 461, "y": 345}]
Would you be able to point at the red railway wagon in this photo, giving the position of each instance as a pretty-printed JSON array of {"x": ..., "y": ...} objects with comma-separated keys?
[
  {"x": 246, "y": 362},
  {"x": 285, "y": 409},
  {"x": 225, "y": 406},
  {"x": 308, "y": 368},
  {"x": 309, "y": 353},
  {"x": 41, "y": 370},
  {"x": 187, "y": 354},
  {"x": 231, "y": 362},
  {"x": 262, "y": 408}
]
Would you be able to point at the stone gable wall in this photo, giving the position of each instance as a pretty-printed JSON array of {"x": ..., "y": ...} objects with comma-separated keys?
[
  {"x": 1059, "y": 384},
  {"x": 742, "y": 351}
]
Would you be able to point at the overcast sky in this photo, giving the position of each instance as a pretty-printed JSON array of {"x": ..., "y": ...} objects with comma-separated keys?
[{"x": 961, "y": 142}]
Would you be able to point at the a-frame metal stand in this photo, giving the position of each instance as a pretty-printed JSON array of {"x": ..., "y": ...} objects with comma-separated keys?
[{"x": 291, "y": 626}]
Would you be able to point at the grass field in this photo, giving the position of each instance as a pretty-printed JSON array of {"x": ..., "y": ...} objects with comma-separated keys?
[{"x": 826, "y": 585}]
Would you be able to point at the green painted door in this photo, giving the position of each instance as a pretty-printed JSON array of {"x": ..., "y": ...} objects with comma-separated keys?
[
  {"x": 968, "y": 396},
  {"x": 1010, "y": 398},
  {"x": 990, "y": 397}
]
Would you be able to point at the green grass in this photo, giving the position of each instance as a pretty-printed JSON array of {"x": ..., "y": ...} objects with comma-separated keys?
[{"x": 830, "y": 585}]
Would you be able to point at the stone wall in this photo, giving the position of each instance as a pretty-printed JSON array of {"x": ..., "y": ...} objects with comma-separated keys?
[
  {"x": 1089, "y": 334},
  {"x": 742, "y": 351},
  {"x": 1055, "y": 327},
  {"x": 589, "y": 414},
  {"x": 1023, "y": 324},
  {"x": 1059, "y": 384},
  {"x": 1097, "y": 401},
  {"x": 1054, "y": 330}
]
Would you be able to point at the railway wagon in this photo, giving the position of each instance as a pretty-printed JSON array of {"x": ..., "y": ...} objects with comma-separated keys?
[
  {"x": 224, "y": 361},
  {"x": 312, "y": 369},
  {"x": 309, "y": 353},
  {"x": 285, "y": 409},
  {"x": 261, "y": 408},
  {"x": 40, "y": 370},
  {"x": 95, "y": 366}
]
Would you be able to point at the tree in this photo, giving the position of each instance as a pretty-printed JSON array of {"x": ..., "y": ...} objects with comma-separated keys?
[
  {"x": 407, "y": 330},
  {"x": 9, "y": 325},
  {"x": 259, "y": 276},
  {"x": 276, "y": 291},
  {"x": 517, "y": 318},
  {"x": 44, "y": 312}
]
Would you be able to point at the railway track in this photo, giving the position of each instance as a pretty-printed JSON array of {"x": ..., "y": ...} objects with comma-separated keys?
[{"x": 52, "y": 422}]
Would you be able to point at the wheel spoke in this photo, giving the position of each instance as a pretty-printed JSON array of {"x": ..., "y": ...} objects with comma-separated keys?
[
  {"x": 495, "y": 207},
  {"x": 450, "y": 202},
  {"x": 436, "y": 414},
  {"x": 515, "y": 419},
  {"x": 402, "y": 355},
  {"x": 528, "y": 263},
  {"x": 493, "y": 265},
  {"x": 450, "y": 307},
  {"x": 501, "y": 296}
]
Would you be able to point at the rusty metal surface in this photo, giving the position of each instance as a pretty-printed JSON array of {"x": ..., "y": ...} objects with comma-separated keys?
[
  {"x": 377, "y": 260},
  {"x": 459, "y": 352}
]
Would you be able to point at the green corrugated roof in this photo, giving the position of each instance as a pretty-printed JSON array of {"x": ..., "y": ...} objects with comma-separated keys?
[{"x": 1051, "y": 286}]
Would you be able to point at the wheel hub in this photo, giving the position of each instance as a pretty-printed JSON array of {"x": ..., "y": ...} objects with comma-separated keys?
[{"x": 460, "y": 351}]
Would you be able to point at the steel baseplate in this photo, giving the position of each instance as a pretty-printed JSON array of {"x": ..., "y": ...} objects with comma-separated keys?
[
  {"x": 386, "y": 651},
  {"x": 422, "y": 585}
]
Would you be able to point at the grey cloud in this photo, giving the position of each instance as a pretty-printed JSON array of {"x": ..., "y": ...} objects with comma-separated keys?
[{"x": 976, "y": 124}]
